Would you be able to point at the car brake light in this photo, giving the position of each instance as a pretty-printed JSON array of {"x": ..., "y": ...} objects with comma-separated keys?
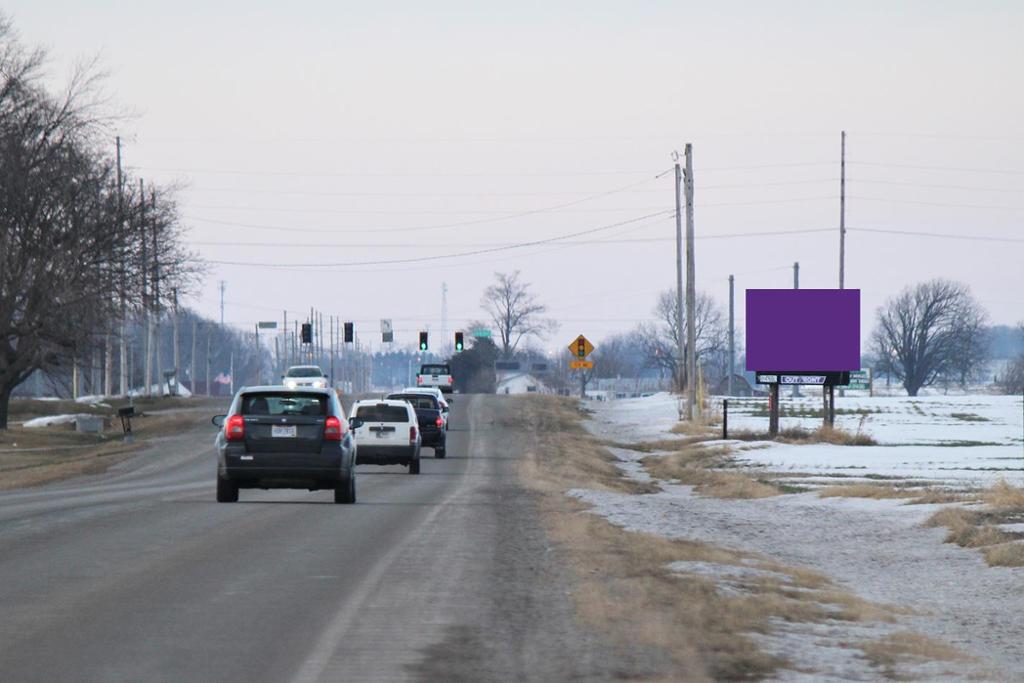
[
  {"x": 412, "y": 435},
  {"x": 333, "y": 429},
  {"x": 234, "y": 428},
  {"x": 439, "y": 422}
]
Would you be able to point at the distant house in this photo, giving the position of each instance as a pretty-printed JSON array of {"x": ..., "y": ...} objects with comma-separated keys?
[{"x": 740, "y": 387}]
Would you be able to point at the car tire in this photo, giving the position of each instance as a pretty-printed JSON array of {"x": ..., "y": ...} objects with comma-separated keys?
[
  {"x": 345, "y": 492},
  {"x": 440, "y": 452},
  {"x": 414, "y": 466},
  {"x": 227, "y": 491}
]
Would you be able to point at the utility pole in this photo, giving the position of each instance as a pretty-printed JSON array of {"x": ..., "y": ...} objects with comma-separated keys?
[
  {"x": 177, "y": 350},
  {"x": 732, "y": 338},
  {"x": 258, "y": 363},
  {"x": 444, "y": 313},
  {"x": 146, "y": 302},
  {"x": 156, "y": 296},
  {"x": 123, "y": 374},
  {"x": 287, "y": 348},
  {"x": 209, "y": 362},
  {"x": 222, "y": 286},
  {"x": 680, "y": 349},
  {"x": 796, "y": 275},
  {"x": 192, "y": 368},
  {"x": 842, "y": 211},
  {"x": 331, "y": 352},
  {"x": 691, "y": 292}
]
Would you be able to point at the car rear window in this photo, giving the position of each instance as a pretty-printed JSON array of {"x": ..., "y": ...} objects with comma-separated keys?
[
  {"x": 283, "y": 403},
  {"x": 382, "y": 412},
  {"x": 421, "y": 402},
  {"x": 434, "y": 370},
  {"x": 304, "y": 372}
]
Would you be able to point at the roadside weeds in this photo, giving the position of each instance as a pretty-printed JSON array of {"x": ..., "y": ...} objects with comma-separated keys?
[{"x": 645, "y": 590}]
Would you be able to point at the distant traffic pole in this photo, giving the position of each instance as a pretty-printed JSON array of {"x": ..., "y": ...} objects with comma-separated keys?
[
  {"x": 842, "y": 211},
  {"x": 223, "y": 286},
  {"x": 691, "y": 291},
  {"x": 680, "y": 354}
]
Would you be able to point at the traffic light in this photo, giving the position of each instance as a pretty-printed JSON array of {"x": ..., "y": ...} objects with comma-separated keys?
[
  {"x": 458, "y": 341},
  {"x": 423, "y": 341},
  {"x": 307, "y": 333},
  {"x": 581, "y": 347},
  {"x": 350, "y": 333}
]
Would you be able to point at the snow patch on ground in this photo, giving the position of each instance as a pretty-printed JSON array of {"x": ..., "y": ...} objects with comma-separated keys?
[
  {"x": 55, "y": 420},
  {"x": 183, "y": 391},
  {"x": 877, "y": 549}
]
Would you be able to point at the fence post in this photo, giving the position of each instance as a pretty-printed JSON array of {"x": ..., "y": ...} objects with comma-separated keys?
[{"x": 725, "y": 419}]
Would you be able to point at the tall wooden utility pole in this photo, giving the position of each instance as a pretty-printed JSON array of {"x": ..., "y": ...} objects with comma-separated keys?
[
  {"x": 732, "y": 338},
  {"x": 146, "y": 302},
  {"x": 209, "y": 362},
  {"x": 177, "y": 351},
  {"x": 156, "y": 297},
  {"x": 192, "y": 368},
  {"x": 842, "y": 211},
  {"x": 691, "y": 293},
  {"x": 680, "y": 349},
  {"x": 123, "y": 350}
]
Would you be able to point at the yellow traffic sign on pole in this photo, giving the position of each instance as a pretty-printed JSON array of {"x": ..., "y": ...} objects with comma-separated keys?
[
  {"x": 581, "y": 364},
  {"x": 581, "y": 347}
]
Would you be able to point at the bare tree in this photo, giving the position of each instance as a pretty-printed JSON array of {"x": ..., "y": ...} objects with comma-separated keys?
[
  {"x": 514, "y": 311},
  {"x": 920, "y": 333},
  {"x": 660, "y": 340},
  {"x": 64, "y": 248}
]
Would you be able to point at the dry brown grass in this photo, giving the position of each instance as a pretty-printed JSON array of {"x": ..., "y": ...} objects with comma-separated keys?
[
  {"x": 1005, "y": 555},
  {"x": 1004, "y": 497},
  {"x": 624, "y": 587},
  {"x": 888, "y": 652},
  {"x": 797, "y": 435},
  {"x": 688, "y": 428},
  {"x": 876, "y": 491},
  {"x": 935, "y": 496},
  {"x": 692, "y": 467},
  {"x": 49, "y": 454}
]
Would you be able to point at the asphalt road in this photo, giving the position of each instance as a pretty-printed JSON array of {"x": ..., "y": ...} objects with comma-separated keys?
[{"x": 138, "y": 575}]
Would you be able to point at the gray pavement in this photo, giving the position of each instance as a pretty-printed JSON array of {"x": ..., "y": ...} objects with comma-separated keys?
[{"x": 138, "y": 575}]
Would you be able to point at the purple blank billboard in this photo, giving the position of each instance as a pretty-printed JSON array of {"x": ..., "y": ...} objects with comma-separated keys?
[{"x": 803, "y": 330}]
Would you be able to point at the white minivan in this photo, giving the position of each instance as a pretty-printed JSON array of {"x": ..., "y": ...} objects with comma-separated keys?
[{"x": 389, "y": 433}]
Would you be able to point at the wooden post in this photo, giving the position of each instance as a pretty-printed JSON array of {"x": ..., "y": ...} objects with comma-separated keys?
[
  {"x": 725, "y": 419},
  {"x": 773, "y": 410},
  {"x": 831, "y": 405}
]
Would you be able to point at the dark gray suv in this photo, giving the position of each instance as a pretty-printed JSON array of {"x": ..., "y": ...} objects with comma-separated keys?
[{"x": 277, "y": 437}]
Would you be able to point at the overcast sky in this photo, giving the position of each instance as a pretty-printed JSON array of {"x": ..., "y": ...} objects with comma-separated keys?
[{"x": 339, "y": 133}]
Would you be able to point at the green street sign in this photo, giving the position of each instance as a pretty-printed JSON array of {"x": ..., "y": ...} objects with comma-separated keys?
[
  {"x": 860, "y": 380},
  {"x": 482, "y": 333},
  {"x": 267, "y": 325}
]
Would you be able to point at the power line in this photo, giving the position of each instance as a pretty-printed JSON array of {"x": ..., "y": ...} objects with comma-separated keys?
[
  {"x": 916, "y": 233},
  {"x": 1000, "y": 171},
  {"x": 475, "y": 252},
  {"x": 480, "y": 221},
  {"x": 938, "y": 186},
  {"x": 942, "y": 204},
  {"x": 384, "y": 174}
]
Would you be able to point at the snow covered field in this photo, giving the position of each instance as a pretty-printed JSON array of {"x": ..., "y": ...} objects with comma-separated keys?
[{"x": 877, "y": 549}]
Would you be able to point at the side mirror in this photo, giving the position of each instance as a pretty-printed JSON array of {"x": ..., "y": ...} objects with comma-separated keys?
[
  {"x": 354, "y": 423},
  {"x": 218, "y": 420}
]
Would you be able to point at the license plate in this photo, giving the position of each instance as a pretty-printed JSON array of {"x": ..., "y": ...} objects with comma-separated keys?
[{"x": 283, "y": 431}]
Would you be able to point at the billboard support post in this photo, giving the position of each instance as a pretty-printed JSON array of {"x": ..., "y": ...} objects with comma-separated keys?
[
  {"x": 831, "y": 405},
  {"x": 773, "y": 410}
]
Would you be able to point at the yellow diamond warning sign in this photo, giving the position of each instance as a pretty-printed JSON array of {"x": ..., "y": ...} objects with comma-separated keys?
[{"x": 581, "y": 347}]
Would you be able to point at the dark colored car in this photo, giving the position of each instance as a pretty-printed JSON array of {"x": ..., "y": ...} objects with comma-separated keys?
[
  {"x": 276, "y": 437},
  {"x": 430, "y": 419}
]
